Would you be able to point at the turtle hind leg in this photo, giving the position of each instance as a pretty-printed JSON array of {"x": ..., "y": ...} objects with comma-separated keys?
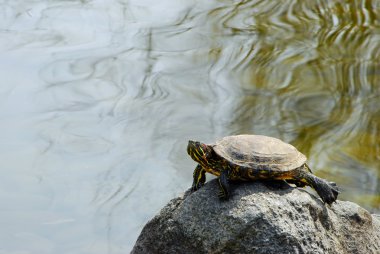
[{"x": 328, "y": 191}]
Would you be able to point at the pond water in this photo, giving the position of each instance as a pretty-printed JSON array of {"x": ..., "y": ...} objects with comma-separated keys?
[{"x": 98, "y": 99}]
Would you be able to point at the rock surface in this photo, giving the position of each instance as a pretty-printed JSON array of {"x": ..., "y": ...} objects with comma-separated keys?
[{"x": 259, "y": 219}]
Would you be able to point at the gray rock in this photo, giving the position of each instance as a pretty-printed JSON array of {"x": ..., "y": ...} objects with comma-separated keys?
[{"x": 259, "y": 219}]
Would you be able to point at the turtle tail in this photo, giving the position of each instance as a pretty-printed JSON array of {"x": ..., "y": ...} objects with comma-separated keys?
[{"x": 328, "y": 191}]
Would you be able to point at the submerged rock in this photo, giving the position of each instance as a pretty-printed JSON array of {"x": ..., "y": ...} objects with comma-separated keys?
[{"x": 259, "y": 219}]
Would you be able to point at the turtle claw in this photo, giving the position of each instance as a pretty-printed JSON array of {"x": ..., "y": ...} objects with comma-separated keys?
[
  {"x": 331, "y": 196},
  {"x": 196, "y": 187},
  {"x": 222, "y": 196},
  {"x": 329, "y": 199}
]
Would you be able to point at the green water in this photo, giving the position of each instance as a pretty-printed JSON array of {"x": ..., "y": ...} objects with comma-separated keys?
[{"x": 308, "y": 72}]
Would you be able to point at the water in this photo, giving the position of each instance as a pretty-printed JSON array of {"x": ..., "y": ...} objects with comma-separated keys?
[{"x": 99, "y": 98}]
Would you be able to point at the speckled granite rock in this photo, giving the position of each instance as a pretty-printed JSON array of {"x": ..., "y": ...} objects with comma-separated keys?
[{"x": 258, "y": 219}]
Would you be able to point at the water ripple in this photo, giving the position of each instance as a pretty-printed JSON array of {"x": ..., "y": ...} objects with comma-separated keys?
[{"x": 100, "y": 97}]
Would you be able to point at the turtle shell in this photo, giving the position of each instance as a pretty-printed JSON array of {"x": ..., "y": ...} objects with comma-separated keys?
[{"x": 256, "y": 150}]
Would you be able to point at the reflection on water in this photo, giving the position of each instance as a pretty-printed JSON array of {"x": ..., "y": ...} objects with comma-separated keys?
[{"x": 98, "y": 99}]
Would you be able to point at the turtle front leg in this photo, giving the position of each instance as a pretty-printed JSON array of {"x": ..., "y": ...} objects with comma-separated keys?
[
  {"x": 224, "y": 185},
  {"x": 199, "y": 177}
]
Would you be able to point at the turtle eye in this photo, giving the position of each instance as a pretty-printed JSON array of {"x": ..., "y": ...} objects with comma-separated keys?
[{"x": 204, "y": 149}]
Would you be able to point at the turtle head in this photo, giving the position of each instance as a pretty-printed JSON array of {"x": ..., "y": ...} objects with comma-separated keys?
[{"x": 199, "y": 152}]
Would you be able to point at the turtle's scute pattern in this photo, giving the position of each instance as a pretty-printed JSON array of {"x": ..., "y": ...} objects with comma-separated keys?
[{"x": 257, "y": 150}]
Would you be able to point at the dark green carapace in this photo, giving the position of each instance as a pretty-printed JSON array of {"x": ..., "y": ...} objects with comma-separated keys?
[{"x": 255, "y": 157}]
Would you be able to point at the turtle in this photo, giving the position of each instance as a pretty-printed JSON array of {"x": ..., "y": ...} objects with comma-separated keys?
[{"x": 255, "y": 157}]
